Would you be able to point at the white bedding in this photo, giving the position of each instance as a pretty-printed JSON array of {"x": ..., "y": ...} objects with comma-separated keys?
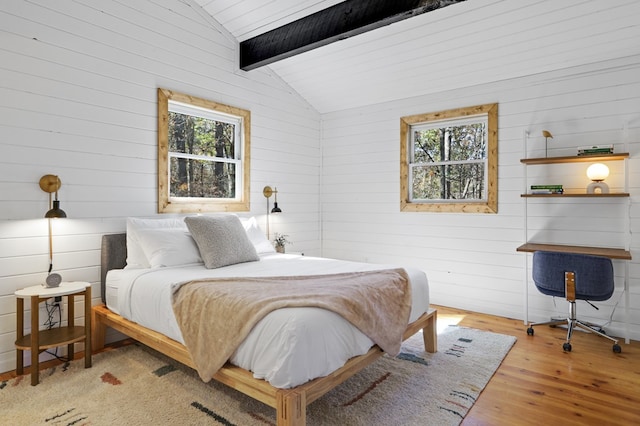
[{"x": 289, "y": 346}]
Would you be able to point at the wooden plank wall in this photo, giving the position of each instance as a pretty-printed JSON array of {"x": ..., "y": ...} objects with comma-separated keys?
[
  {"x": 471, "y": 259},
  {"x": 78, "y": 84}
]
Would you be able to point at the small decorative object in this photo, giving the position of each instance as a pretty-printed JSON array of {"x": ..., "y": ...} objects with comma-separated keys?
[
  {"x": 547, "y": 134},
  {"x": 598, "y": 172},
  {"x": 53, "y": 280},
  {"x": 280, "y": 241}
]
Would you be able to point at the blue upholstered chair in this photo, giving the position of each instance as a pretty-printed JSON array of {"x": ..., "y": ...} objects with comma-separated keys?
[{"x": 574, "y": 277}]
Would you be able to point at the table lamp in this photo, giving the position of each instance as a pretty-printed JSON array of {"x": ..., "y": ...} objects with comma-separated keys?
[{"x": 597, "y": 172}]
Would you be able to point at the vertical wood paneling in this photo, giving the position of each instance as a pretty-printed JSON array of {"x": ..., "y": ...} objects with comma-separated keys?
[{"x": 78, "y": 86}]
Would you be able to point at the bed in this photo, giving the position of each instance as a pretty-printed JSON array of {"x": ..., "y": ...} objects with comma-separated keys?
[{"x": 287, "y": 388}]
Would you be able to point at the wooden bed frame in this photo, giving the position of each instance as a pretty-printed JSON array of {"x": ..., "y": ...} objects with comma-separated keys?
[{"x": 290, "y": 404}]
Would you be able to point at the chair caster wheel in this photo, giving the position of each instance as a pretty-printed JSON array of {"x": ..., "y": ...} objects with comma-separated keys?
[
  {"x": 566, "y": 347},
  {"x": 616, "y": 348},
  {"x": 530, "y": 331}
]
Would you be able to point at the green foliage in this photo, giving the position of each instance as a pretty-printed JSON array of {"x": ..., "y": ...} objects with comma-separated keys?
[
  {"x": 448, "y": 162},
  {"x": 280, "y": 240},
  {"x": 197, "y": 145},
  {"x": 453, "y": 143}
]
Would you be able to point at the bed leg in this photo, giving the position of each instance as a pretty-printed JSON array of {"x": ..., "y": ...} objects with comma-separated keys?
[
  {"x": 291, "y": 408},
  {"x": 430, "y": 333},
  {"x": 98, "y": 331}
]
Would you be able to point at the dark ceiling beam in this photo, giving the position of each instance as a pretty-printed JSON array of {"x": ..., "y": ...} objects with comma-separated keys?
[{"x": 337, "y": 22}]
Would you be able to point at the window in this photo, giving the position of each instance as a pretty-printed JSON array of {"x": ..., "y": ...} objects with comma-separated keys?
[
  {"x": 449, "y": 160},
  {"x": 203, "y": 155}
]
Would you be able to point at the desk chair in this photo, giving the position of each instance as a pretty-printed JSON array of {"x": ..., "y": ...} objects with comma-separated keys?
[{"x": 574, "y": 277}]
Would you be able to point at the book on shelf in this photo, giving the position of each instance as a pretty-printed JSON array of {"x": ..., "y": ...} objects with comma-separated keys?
[
  {"x": 547, "y": 189},
  {"x": 595, "y": 150},
  {"x": 546, "y": 186}
]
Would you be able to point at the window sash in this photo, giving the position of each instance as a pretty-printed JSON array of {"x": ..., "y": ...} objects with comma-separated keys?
[
  {"x": 417, "y": 128},
  {"x": 475, "y": 182},
  {"x": 412, "y": 173},
  {"x": 208, "y": 176}
]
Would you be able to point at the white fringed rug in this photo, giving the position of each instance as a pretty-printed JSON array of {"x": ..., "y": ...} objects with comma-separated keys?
[{"x": 134, "y": 385}]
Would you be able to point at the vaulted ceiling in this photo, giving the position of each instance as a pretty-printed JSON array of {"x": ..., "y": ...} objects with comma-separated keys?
[{"x": 465, "y": 44}]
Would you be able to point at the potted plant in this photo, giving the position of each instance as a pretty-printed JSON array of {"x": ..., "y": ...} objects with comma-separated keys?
[{"x": 280, "y": 241}]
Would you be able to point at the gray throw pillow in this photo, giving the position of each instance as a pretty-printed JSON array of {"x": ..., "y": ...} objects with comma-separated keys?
[{"x": 221, "y": 240}]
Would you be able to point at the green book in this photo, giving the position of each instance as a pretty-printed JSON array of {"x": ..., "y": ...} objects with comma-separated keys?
[
  {"x": 595, "y": 152},
  {"x": 546, "y": 186}
]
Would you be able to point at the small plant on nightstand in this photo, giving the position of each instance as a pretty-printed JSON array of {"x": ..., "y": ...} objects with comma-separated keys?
[{"x": 280, "y": 241}]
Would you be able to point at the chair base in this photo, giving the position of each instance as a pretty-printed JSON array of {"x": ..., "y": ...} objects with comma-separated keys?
[
  {"x": 572, "y": 323},
  {"x": 593, "y": 326}
]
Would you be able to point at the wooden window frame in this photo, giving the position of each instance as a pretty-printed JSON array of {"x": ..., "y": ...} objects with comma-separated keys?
[
  {"x": 168, "y": 204},
  {"x": 490, "y": 205}
]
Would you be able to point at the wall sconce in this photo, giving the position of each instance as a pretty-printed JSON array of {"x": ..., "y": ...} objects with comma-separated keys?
[
  {"x": 51, "y": 184},
  {"x": 547, "y": 134},
  {"x": 597, "y": 172},
  {"x": 267, "y": 191}
]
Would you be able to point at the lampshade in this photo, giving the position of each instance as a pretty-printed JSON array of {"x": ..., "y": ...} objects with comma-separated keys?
[
  {"x": 598, "y": 172},
  {"x": 56, "y": 212}
]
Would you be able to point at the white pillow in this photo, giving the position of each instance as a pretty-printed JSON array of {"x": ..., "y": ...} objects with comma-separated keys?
[
  {"x": 256, "y": 236},
  {"x": 169, "y": 247},
  {"x": 136, "y": 258},
  {"x": 221, "y": 240}
]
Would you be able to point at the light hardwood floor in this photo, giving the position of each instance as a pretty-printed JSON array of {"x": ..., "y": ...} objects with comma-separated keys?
[{"x": 539, "y": 384}]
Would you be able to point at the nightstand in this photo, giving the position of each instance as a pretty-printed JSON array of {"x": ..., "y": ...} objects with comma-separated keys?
[{"x": 40, "y": 340}]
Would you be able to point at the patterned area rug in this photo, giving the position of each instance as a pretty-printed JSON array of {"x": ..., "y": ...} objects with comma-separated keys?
[{"x": 134, "y": 385}]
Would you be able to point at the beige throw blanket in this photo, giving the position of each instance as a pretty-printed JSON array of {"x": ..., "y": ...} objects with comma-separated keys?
[{"x": 216, "y": 315}]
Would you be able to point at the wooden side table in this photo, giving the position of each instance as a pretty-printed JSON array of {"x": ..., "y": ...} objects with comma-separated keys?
[{"x": 40, "y": 340}]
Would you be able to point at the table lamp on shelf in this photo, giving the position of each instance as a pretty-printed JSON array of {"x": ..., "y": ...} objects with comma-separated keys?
[
  {"x": 51, "y": 184},
  {"x": 597, "y": 172}
]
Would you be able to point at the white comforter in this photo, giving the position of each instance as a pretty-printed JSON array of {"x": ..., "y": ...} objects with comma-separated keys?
[{"x": 289, "y": 346}]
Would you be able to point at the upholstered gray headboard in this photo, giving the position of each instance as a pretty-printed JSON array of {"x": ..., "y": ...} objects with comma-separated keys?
[{"x": 113, "y": 256}]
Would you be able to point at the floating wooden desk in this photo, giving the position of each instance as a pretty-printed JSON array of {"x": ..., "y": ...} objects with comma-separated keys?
[{"x": 611, "y": 253}]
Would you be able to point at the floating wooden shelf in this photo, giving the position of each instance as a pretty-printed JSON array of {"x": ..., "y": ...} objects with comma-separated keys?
[
  {"x": 575, "y": 159},
  {"x": 612, "y": 253}
]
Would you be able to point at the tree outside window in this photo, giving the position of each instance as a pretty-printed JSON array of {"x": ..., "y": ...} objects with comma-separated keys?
[
  {"x": 203, "y": 160},
  {"x": 449, "y": 160}
]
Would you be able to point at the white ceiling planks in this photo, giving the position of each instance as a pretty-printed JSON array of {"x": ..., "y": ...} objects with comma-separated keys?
[
  {"x": 249, "y": 18},
  {"x": 470, "y": 43}
]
